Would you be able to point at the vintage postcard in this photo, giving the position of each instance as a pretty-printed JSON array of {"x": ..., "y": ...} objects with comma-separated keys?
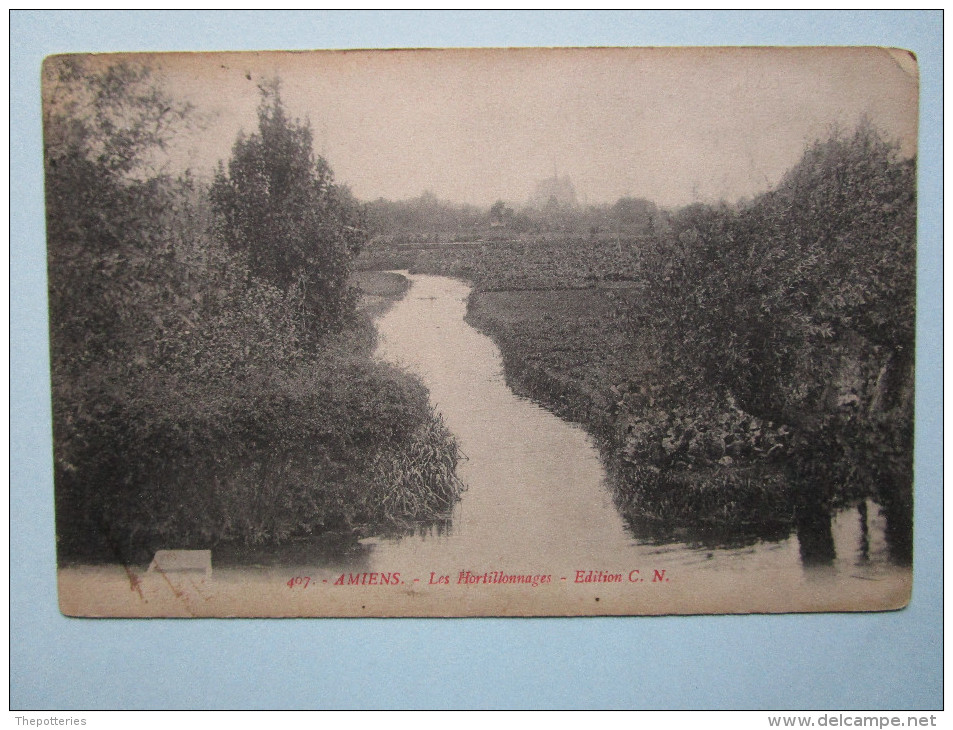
[{"x": 482, "y": 332}]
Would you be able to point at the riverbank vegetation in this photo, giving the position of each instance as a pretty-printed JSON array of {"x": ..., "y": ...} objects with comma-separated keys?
[
  {"x": 746, "y": 367},
  {"x": 212, "y": 372}
]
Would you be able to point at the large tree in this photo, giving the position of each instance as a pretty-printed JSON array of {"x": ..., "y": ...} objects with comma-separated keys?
[
  {"x": 278, "y": 204},
  {"x": 109, "y": 214},
  {"x": 800, "y": 306}
]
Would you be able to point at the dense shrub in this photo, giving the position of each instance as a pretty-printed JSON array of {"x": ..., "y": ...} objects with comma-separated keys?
[
  {"x": 800, "y": 305},
  {"x": 763, "y": 301},
  {"x": 284, "y": 454}
]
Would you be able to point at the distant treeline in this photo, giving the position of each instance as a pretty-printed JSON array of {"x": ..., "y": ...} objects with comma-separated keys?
[
  {"x": 212, "y": 380},
  {"x": 427, "y": 219}
]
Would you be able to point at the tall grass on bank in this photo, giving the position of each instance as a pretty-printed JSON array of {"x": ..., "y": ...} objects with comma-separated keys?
[
  {"x": 418, "y": 480},
  {"x": 749, "y": 498},
  {"x": 352, "y": 445}
]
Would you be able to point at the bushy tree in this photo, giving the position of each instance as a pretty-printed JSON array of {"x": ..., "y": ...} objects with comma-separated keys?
[
  {"x": 634, "y": 215},
  {"x": 279, "y": 205},
  {"x": 762, "y": 299},
  {"x": 849, "y": 210},
  {"x": 112, "y": 223},
  {"x": 800, "y": 306}
]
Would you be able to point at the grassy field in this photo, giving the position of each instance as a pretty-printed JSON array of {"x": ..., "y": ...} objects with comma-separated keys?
[{"x": 559, "y": 347}]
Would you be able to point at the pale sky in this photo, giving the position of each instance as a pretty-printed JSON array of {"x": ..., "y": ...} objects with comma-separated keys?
[{"x": 671, "y": 125}]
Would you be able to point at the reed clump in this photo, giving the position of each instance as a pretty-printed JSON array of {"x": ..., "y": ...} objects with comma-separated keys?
[{"x": 418, "y": 481}]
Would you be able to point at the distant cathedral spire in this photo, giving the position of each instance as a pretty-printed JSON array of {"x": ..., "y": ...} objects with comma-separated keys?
[{"x": 554, "y": 191}]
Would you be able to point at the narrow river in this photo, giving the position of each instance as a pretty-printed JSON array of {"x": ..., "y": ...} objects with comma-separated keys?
[
  {"x": 537, "y": 509},
  {"x": 535, "y": 497},
  {"x": 537, "y": 501}
]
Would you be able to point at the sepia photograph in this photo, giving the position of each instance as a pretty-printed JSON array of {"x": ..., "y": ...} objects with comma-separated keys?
[{"x": 482, "y": 332}]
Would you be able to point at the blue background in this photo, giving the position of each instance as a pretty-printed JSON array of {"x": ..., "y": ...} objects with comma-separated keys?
[{"x": 876, "y": 661}]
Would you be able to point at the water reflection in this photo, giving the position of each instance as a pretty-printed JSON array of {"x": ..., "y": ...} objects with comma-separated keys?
[
  {"x": 333, "y": 551},
  {"x": 424, "y": 530},
  {"x": 854, "y": 536},
  {"x": 814, "y": 535},
  {"x": 704, "y": 536},
  {"x": 864, "y": 533},
  {"x": 899, "y": 530}
]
